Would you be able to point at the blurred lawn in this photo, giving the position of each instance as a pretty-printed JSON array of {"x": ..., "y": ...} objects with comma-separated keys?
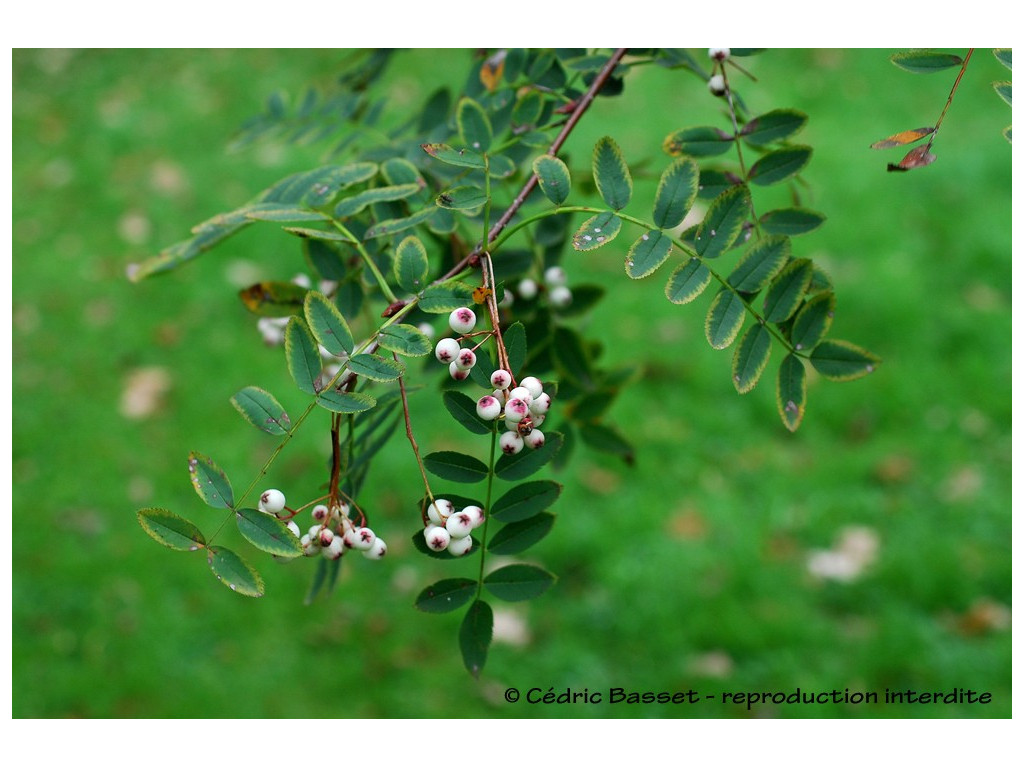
[{"x": 688, "y": 570}]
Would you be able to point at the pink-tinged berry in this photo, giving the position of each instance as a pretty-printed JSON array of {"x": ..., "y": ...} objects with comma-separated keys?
[
  {"x": 437, "y": 538},
  {"x": 475, "y": 513},
  {"x": 533, "y": 385},
  {"x": 520, "y": 393},
  {"x": 326, "y": 537},
  {"x": 439, "y": 511},
  {"x": 517, "y": 409},
  {"x": 377, "y": 551},
  {"x": 320, "y": 512},
  {"x": 457, "y": 373},
  {"x": 363, "y": 539},
  {"x": 527, "y": 288},
  {"x": 500, "y": 379},
  {"x": 487, "y": 407},
  {"x": 459, "y": 547},
  {"x": 272, "y": 501},
  {"x": 560, "y": 296},
  {"x": 717, "y": 85},
  {"x": 459, "y": 525},
  {"x": 446, "y": 350},
  {"x": 465, "y": 360},
  {"x": 334, "y": 550},
  {"x": 462, "y": 320},
  {"x": 535, "y": 439},
  {"x": 554, "y": 276},
  {"x": 510, "y": 443},
  {"x": 349, "y": 538},
  {"x": 540, "y": 404},
  {"x": 718, "y": 54}
]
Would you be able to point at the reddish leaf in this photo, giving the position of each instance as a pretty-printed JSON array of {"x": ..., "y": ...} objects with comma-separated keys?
[
  {"x": 903, "y": 137},
  {"x": 918, "y": 157}
]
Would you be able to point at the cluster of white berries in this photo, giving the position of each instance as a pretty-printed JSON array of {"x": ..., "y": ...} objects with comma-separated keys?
[
  {"x": 451, "y": 529},
  {"x": 554, "y": 284},
  {"x": 332, "y": 533},
  {"x": 523, "y": 408},
  {"x": 448, "y": 350}
]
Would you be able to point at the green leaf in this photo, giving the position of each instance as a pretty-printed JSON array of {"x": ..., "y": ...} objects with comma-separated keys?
[
  {"x": 688, "y": 281},
  {"x": 474, "y": 125},
  {"x": 322, "y": 235},
  {"x": 597, "y": 231},
  {"x": 554, "y": 178},
  {"x": 390, "y": 227},
  {"x": 302, "y": 355},
  {"x": 398, "y": 170},
  {"x": 527, "y": 110},
  {"x": 500, "y": 166},
  {"x": 779, "y": 165},
  {"x": 345, "y": 402},
  {"x": 699, "y": 141},
  {"x": 454, "y": 466},
  {"x": 724, "y": 319},
  {"x": 518, "y": 582},
  {"x": 606, "y": 439},
  {"x": 787, "y": 290},
  {"x": 571, "y": 356},
  {"x": 446, "y": 595},
  {"x": 324, "y": 579},
  {"x": 234, "y": 572},
  {"x": 515, "y": 345},
  {"x": 328, "y": 325},
  {"x": 751, "y": 357},
  {"x": 475, "y": 636},
  {"x": 525, "y": 501},
  {"x": 523, "y": 464},
  {"x": 261, "y": 409},
  {"x": 350, "y": 206},
  {"x": 611, "y": 174},
  {"x": 411, "y": 265},
  {"x": 283, "y": 213},
  {"x": 760, "y": 264},
  {"x": 1005, "y": 56},
  {"x": 649, "y": 252},
  {"x": 464, "y": 158},
  {"x": 813, "y": 321},
  {"x": 791, "y": 221},
  {"x": 267, "y": 533},
  {"x": 375, "y": 368},
  {"x": 464, "y": 198},
  {"x": 1005, "y": 90},
  {"x": 315, "y": 187},
  {"x": 518, "y": 537},
  {"x": 273, "y": 299},
  {"x": 791, "y": 391},
  {"x": 210, "y": 482},
  {"x": 842, "y": 361},
  {"x": 445, "y": 297},
  {"x": 777, "y": 125},
  {"x": 404, "y": 339},
  {"x": 925, "y": 62},
  {"x": 171, "y": 530},
  {"x": 463, "y": 409},
  {"x": 723, "y": 222},
  {"x": 677, "y": 190}
]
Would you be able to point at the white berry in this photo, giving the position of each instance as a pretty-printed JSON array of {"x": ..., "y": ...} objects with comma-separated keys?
[
  {"x": 334, "y": 550},
  {"x": 377, "y": 551},
  {"x": 554, "y": 276},
  {"x": 527, "y": 288},
  {"x": 326, "y": 537},
  {"x": 320, "y": 512},
  {"x": 462, "y": 320},
  {"x": 363, "y": 539},
  {"x": 521, "y": 393},
  {"x": 465, "y": 360},
  {"x": 717, "y": 85},
  {"x": 309, "y": 545},
  {"x": 437, "y": 538},
  {"x": 516, "y": 409},
  {"x": 533, "y": 385},
  {"x": 501, "y": 379},
  {"x": 540, "y": 404},
  {"x": 439, "y": 511},
  {"x": 718, "y": 54},
  {"x": 501, "y": 396},
  {"x": 457, "y": 373},
  {"x": 535, "y": 439},
  {"x": 560, "y": 296},
  {"x": 459, "y": 525},
  {"x": 446, "y": 350},
  {"x": 459, "y": 547},
  {"x": 487, "y": 407},
  {"x": 475, "y": 513},
  {"x": 511, "y": 442},
  {"x": 294, "y": 528},
  {"x": 272, "y": 501}
]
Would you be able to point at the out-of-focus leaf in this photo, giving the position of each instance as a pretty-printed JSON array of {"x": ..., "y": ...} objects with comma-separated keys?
[
  {"x": 465, "y": 158},
  {"x": 273, "y": 299},
  {"x": 918, "y": 157},
  {"x": 924, "y": 62},
  {"x": 464, "y": 198},
  {"x": 699, "y": 141},
  {"x": 1005, "y": 90},
  {"x": 776, "y": 125},
  {"x": 1005, "y": 56},
  {"x": 394, "y": 226},
  {"x": 904, "y": 137},
  {"x": 473, "y": 124},
  {"x": 350, "y": 206}
]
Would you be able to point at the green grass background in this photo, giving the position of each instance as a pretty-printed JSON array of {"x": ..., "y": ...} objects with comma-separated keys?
[{"x": 688, "y": 570}]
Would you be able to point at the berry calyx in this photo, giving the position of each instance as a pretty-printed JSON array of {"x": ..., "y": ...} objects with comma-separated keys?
[
  {"x": 462, "y": 320},
  {"x": 437, "y": 538},
  {"x": 510, "y": 443},
  {"x": 500, "y": 379},
  {"x": 363, "y": 539},
  {"x": 465, "y": 360}
]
